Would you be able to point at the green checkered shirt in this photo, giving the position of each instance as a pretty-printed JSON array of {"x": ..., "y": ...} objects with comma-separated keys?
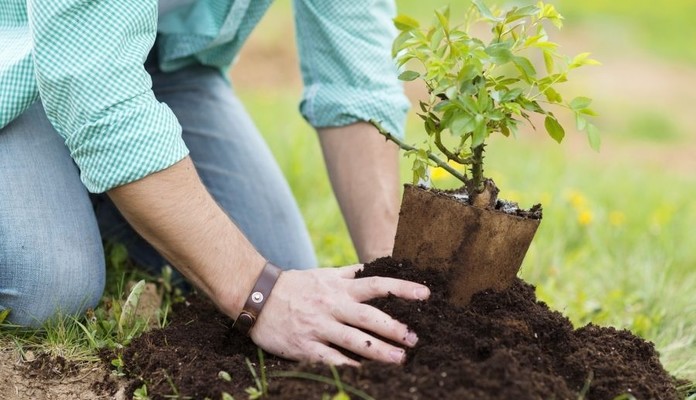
[{"x": 85, "y": 61}]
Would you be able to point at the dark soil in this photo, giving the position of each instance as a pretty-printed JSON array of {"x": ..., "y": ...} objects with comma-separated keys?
[{"x": 501, "y": 346}]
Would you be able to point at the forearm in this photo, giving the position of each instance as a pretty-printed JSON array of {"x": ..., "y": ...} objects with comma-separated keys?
[
  {"x": 308, "y": 310},
  {"x": 174, "y": 212},
  {"x": 364, "y": 173}
]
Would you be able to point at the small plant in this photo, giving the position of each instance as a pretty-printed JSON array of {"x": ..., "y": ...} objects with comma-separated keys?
[
  {"x": 175, "y": 390},
  {"x": 3, "y": 315},
  {"x": 342, "y": 388},
  {"x": 225, "y": 376},
  {"x": 261, "y": 383},
  {"x": 341, "y": 395},
  {"x": 478, "y": 88},
  {"x": 141, "y": 393}
]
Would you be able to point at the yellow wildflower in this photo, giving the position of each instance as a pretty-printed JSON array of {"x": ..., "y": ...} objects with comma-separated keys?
[
  {"x": 577, "y": 199},
  {"x": 439, "y": 174},
  {"x": 585, "y": 217}
]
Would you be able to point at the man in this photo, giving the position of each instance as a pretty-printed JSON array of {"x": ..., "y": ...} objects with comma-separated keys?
[{"x": 96, "y": 129}]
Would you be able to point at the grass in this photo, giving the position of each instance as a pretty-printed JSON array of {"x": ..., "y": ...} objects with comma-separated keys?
[{"x": 112, "y": 325}]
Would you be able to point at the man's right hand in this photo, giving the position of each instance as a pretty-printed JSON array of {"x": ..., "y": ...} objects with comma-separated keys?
[
  {"x": 307, "y": 312},
  {"x": 311, "y": 310}
]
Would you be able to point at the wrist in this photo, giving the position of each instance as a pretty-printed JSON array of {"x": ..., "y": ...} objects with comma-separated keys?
[
  {"x": 256, "y": 299},
  {"x": 232, "y": 290}
]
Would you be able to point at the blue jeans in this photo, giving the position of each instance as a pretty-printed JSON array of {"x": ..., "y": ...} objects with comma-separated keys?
[{"x": 51, "y": 228}]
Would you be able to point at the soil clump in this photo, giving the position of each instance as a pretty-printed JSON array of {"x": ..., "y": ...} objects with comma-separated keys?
[{"x": 504, "y": 345}]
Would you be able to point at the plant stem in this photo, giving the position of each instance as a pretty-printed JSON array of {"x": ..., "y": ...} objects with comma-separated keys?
[
  {"x": 407, "y": 147},
  {"x": 447, "y": 153},
  {"x": 477, "y": 168}
]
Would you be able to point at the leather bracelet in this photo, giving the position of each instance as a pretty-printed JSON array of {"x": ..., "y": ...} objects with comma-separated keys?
[{"x": 257, "y": 298}]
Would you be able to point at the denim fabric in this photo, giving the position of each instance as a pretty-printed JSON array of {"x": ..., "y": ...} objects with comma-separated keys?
[{"x": 51, "y": 256}]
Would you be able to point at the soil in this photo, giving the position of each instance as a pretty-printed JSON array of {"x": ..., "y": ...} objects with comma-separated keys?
[
  {"x": 44, "y": 377},
  {"x": 503, "y": 345}
]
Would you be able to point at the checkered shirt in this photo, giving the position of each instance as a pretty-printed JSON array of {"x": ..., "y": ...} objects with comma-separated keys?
[{"x": 84, "y": 60}]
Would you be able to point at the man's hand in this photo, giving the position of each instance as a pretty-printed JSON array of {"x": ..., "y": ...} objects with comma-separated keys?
[{"x": 308, "y": 311}]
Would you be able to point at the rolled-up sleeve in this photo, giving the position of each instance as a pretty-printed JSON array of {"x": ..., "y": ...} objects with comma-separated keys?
[
  {"x": 345, "y": 58},
  {"x": 88, "y": 60}
]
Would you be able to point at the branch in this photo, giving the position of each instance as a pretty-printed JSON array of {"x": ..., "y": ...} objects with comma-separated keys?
[
  {"x": 446, "y": 152},
  {"x": 407, "y": 147}
]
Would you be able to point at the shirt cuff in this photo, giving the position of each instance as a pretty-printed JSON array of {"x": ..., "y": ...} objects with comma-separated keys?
[
  {"x": 132, "y": 140},
  {"x": 330, "y": 105}
]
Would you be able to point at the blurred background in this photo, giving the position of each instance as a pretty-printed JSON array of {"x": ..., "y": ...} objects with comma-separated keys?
[{"x": 617, "y": 244}]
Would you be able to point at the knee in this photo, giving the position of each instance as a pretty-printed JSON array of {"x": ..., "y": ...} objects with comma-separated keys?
[{"x": 40, "y": 285}]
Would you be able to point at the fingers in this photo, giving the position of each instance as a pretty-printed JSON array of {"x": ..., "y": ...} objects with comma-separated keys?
[
  {"x": 376, "y": 321},
  {"x": 321, "y": 353},
  {"x": 349, "y": 271},
  {"x": 310, "y": 309},
  {"x": 375, "y": 286},
  {"x": 363, "y": 344},
  {"x": 368, "y": 288}
]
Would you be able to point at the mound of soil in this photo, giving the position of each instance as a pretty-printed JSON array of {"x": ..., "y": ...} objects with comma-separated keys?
[{"x": 503, "y": 345}]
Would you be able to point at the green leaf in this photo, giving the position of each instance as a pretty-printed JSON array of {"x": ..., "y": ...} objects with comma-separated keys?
[
  {"x": 480, "y": 131},
  {"x": 403, "y": 59},
  {"x": 141, "y": 393},
  {"x": 583, "y": 59},
  {"x": 500, "y": 53},
  {"x": 554, "y": 129},
  {"x": 496, "y": 115},
  {"x": 467, "y": 73},
  {"x": 485, "y": 11},
  {"x": 484, "y": 100},
  {"x": 462, "y": 124},
  {"x": 423, "y": 106},
  {"x": 579, "y": 103},
  {"x": 443, "y": 17},
  {"x": 399, "y": 42},
  {"x": 405, "y": 23},
  {"x": 442, "y": 106},
  {"x": 341, "y": 396},
  {"x": 548, "y": 61},
  {"x": 593, "y": 136},
  {"x": 550, "y": 46},
  {"x": 522, "y": 12},
  {"x": 409, "y": 75},
  {"x": 468, "y": 103},
  {"x": 505, "y": 130},
  {"x": 3, "y": 315},
  {"x": 552, "y": 95},
  {"x": 128, "y": 312},
  {"x": 511, "y": 95},
  {"x": 225, "y": 376},
  {"x": 525, "y": 67},
  {"x": 436, "y": 38},
  {"x": 227, "y": 396},
  {"x": 580, "y": 122},
  {"x": 531, "y": 105},
  {"x": 549, "y": 11},
  {"x": 587, "y": 111}
]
